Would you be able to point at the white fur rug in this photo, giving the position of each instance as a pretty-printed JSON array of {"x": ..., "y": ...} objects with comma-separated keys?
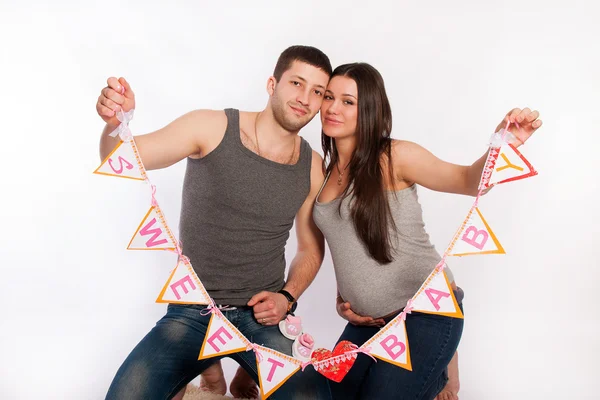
[{"x": 193, "y": 392}]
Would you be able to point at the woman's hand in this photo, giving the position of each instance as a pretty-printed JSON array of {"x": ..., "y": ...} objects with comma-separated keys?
[
  {"x": 523, "y": 124},
  {"x": 345, "y": 311}
]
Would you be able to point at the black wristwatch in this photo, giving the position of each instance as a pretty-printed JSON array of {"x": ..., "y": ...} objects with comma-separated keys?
[{"x": 291, "y": 301}]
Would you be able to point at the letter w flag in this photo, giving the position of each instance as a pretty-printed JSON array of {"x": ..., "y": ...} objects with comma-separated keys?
[{"x": 153, "y": 233}]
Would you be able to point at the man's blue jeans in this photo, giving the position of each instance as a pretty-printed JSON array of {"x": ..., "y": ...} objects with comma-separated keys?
[{"x": 167, "y": 358}]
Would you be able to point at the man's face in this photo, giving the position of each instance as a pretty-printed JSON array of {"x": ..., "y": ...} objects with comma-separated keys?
[{"x": 298, "y": 95}]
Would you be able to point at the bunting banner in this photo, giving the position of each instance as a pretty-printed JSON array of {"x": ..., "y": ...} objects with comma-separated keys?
[
  {"x": 474, "y": 237},
  {"x": 221, "y": 337},
  {"x": 274, "y": 369},
  {"x": 390, "y": 344},
  {"x": 123, "y": 162},
  {"x": 437, "y": 297},
  {"x": 504, "y": 163},
  {"x": 153, "y": 233},
  {"x": 184, "y": 286}
]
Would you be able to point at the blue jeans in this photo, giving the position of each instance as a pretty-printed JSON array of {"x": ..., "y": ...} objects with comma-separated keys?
[
  {"x": 167, "y": 357},
  {"x": 432, "y": 340}
]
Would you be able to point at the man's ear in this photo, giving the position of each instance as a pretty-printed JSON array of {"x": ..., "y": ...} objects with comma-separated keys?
[{"x": 271, "y": 83}]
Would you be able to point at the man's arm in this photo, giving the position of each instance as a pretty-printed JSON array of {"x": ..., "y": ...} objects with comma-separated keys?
[
  {"x": 270, "y": 308},
  {"x": 197, "y": 132},
  {"x": 311, "y": 244}
]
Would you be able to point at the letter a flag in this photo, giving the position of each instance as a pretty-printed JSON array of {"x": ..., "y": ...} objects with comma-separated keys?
[
  {"x": 475, "y": 237},
  {"x": 183, "y": 286},
  {"x": 123, "y": 162},
  {"x": 274, "y": 369},
  {"x": 153, "y": 233},
  {"x": 391, "y": 344},
  {"x": 436, "y": 297},
  {"x": 221, "y": 337}
]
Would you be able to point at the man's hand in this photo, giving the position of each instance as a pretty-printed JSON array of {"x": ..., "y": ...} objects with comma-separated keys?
[
  {"x": 528, "y": 122},
  {"x": 344, "y": 311},
  {"x": 114, "y": 97},
  {"x": 269, "y": 308}
]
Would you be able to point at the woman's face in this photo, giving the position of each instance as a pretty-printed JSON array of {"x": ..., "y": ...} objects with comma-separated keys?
[{"x": 339, "y": 111}]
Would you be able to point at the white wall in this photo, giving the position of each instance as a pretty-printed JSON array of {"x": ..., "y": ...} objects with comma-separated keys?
[{"x": 75, "y": 302}]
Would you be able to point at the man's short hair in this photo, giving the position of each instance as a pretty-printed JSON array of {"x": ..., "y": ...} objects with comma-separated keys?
[{"x": 307, "y": 54}]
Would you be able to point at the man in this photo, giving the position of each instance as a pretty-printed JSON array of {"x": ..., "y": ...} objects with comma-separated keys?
[{"x": 248, "y": 176}]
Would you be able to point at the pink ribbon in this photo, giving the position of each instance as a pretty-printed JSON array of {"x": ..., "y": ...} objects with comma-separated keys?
[
  {"x": 407, "y": 310},
  {"x": 333, "y": 360},
  {"x": 306, "y": 364},
  {"x": 123, "y": 128},
  {"x": 179, "y": 251},
  {"x": 255, "y": 347},
  {"x": 506, "y": 130},
  {"x": 154, "y": 202},
  {"x": 364, "y": 350},
  {"x": 210, "y": 309}
]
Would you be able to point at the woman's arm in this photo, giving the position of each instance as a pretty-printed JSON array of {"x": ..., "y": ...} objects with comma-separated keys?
[{"x": 413, "y": 163}]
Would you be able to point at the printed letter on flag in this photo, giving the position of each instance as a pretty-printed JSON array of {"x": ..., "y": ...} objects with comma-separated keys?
[
  {"x": 274, "y": 369},
  {"x": 476, "y": 237},
  {"x": 153, "y": 233},
  {"x": 183, "y": 287},
  {"x": 510, "y": 165},
  {"x": 437, "y": 297},
  {"x": 391, "y": 344},
  {"x": 221, "y": 338},
  {"x": 122, "y": 162}
]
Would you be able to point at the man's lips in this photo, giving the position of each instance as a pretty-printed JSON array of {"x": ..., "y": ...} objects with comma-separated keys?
[{"x": 299, "y": 111}]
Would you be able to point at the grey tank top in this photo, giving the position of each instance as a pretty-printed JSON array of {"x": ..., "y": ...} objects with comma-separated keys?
[
  {"x": 236, "y": 213},
  {"x": 375, "y": 289}
]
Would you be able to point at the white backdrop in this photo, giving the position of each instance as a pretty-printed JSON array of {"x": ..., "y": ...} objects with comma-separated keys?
[{"x": 75, "y": 302}]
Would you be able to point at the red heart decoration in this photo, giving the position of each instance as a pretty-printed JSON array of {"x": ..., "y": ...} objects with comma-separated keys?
[{"x": 336, "y": 370}]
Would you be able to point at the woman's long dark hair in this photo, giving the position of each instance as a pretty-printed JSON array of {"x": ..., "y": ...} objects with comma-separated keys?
[{"x": 370, "y": 210}]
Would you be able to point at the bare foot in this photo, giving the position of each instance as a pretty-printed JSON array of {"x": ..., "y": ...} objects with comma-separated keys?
[
  {"x": 212, "y": 379},
  {"x": 243, "y": 386},
  {"x": 450, "y": 391}
]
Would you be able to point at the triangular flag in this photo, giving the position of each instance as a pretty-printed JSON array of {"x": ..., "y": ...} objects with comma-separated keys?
[
  {"x": 510, "y": 165},
  {"x": 436, "y": 297},
  {"x": 274, "y": 369},
  {"x": 221, "y": 338},
  {"x": 123, "y": 162},
  {"x": 183, "y": 286},
  {"x": 153, "y": 233},
  {"x": 475, "y": 237},
  {"x": 390, "y": 344}
]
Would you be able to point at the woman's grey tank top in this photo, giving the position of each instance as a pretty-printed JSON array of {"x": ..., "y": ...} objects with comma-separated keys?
[
  {"x": 375, "y": 289},
  {"x": 236, "y": 214}
]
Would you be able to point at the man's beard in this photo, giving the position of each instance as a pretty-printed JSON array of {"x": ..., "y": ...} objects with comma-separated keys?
[{"x": 282, "y": 118}]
